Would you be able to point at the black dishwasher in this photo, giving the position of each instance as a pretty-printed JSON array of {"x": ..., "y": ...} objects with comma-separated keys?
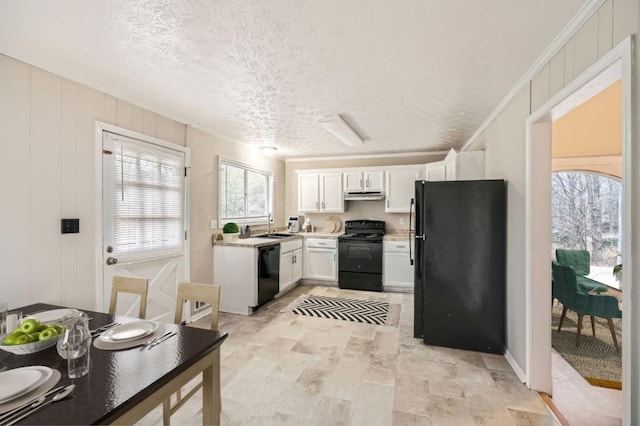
[{"x": 268, "y": 273}]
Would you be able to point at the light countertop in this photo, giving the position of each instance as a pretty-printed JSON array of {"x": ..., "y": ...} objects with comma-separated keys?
[{"x": 255, "y": 242}]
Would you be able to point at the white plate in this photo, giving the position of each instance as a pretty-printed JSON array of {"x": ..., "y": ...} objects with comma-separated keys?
[
  {"x": 55, "y": 315},
  {"x": 17, "y": 382},
  {"x": 337, "y": 222},
  {"x": 129, "y": 331},
  {"x": 328, "y": 225}
]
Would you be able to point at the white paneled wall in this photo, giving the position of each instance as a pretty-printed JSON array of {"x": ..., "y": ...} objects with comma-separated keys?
[
  {"x": 504, "y": 141},
  {"x": 48, "y": 146}
]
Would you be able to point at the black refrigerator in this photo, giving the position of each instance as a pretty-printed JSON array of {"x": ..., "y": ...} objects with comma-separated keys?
[{"x": 459, "y": 264}]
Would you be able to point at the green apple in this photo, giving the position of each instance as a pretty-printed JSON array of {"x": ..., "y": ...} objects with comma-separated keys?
[
  {"x": 48, "y": 333},
  {"x": 58, "y": 328},
  {"x": 42, "y": 327},
  {"x": 10, "y": 340},
  {"x": 17, "y": 332},
  {"x": 24, "y": 339},
  {"x": 29, "y": 325}
]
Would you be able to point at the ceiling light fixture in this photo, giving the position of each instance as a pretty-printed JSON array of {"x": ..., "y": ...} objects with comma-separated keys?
[
  {"x": 340, "y": 129},
  {"x": 268, "y": 150}
]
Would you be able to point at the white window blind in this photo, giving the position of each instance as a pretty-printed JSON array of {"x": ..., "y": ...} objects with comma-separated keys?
[
  {"x": 245, "y": 193},
  {"x": 148, "y": 198}
]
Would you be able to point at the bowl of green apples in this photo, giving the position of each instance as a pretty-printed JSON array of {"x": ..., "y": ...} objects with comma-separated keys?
[{"x": 30, "y": 337}]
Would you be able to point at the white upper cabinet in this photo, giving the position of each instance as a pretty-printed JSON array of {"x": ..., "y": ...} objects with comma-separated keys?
[
  {"x": 364, "y": 181},
  {"x": 374, "y": 181},
  {"x": 320, "y": 193},
  {"x": 435, "y": 171},
  {"x": 331, "y": 196},
  {"x": 308, "y": 193},
  {"x": 465, "y": 165},
  {"x": 400, "y": 189}
]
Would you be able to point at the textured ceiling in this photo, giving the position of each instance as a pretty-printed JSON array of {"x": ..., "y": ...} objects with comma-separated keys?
[{"x": 411, "y": 75}]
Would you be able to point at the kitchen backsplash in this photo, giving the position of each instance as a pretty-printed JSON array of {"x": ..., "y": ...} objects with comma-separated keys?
[{"x": 372, "y": 210}]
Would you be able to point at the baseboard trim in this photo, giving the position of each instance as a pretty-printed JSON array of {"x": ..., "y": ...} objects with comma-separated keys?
[
  {"x": 516, "y": 368},
  {"x": 309, "y": 282}
]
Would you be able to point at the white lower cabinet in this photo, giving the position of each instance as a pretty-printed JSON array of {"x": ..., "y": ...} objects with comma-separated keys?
[
  {"x": 397, "y": 269},
  {"x": 321, "y": 259},
  {"x": 290, "y": 264}
]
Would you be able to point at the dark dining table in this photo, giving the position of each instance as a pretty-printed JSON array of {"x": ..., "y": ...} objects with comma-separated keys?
[{"x": 124, "y": 385}]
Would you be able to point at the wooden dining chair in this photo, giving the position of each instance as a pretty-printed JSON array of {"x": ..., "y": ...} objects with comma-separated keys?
[
  {"x": 133, "y": 285},
  {"x": 195, "y": 292}
]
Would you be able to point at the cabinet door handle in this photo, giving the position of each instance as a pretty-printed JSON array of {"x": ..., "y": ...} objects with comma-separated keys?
[
  {"x": 323, "y": 205},
  {"x": 367, "y": 182},
  {"x": 322, "y": 244},
  {"x": 361, "y": 183}
]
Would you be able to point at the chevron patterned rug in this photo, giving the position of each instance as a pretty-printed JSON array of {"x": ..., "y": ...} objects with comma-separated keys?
[
  {"x": 365, "y": 311},
  {"x": 596, "y": 358}
]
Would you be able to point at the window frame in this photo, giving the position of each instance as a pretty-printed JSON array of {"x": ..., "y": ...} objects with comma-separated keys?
[
  {"x": 270, "y": 175},
  {"x": 140, "y": 255}
]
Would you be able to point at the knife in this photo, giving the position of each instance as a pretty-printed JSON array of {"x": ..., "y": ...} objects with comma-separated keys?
[
  {"x": 11, "y": 413},
  {"x": 162, "y": 339},
  {"x": 67, "y": 390}
]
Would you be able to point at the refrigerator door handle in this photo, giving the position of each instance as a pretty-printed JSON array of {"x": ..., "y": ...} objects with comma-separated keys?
[{"x": 410, "y": 231}]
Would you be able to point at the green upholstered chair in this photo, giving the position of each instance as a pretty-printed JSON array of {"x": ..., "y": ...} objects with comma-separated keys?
[
  {"x": 580, "y": 261},
  {"x": 565, "y": 289}
]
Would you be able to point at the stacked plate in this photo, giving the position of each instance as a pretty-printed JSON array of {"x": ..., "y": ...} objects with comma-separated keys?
[
  {"x": 331, "y": 224},
  {"x": 20, "y": 381},
  {"x": 54, "y": 316},
  {"x": 129, "y": 332}
]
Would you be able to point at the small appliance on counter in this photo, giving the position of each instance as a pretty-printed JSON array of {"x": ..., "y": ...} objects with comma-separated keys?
[{"x": 294, "y": 223}]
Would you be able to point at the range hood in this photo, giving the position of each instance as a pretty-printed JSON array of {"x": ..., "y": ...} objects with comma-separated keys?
[{"x": 363, "y": 195}]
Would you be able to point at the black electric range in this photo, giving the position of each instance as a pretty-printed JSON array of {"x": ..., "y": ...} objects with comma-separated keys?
[{"x": 360, "y": 255}]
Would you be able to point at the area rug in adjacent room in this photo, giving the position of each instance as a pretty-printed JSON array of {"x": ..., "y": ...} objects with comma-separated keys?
[
  {"x": 596, "y": 358},
  {"x": 338, "y": 308}
]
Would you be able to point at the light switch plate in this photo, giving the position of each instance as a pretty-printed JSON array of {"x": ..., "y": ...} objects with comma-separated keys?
[{"x": 214, "y": 224}]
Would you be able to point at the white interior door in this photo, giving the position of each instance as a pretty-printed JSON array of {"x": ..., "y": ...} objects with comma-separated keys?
[{"x": 144, "y": 225}]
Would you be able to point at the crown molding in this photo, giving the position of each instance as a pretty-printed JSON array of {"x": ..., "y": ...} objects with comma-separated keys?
[
  {"x": 585, "y": 12},
  {"x": 364, "y": 156}
]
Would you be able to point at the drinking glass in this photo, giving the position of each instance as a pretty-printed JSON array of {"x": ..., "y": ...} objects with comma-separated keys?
[
  {"x": 4, "y": 308},
  {"x": 75, "y": 344}
]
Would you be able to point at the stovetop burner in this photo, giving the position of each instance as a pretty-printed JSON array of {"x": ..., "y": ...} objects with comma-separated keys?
[
  {"x": 363, "y": 237},
  {"x": 363, "y": 230}
]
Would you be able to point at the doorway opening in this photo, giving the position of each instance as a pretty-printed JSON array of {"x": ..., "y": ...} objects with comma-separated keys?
[{"x": 614, "y": 66}]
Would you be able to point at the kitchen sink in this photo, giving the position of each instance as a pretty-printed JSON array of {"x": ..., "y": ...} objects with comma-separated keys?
[{"x": 273, "y": 235}]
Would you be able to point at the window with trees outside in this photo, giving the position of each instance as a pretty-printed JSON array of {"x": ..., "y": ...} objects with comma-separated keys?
[
  {"x": 246, "y": 194},
  {"x": 586, "y": 215}
]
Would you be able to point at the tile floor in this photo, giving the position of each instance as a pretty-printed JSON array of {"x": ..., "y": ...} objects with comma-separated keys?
[{"x": 285, "y": 369}]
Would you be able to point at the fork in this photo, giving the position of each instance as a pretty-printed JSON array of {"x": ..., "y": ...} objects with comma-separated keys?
[
  {"x": 104, "y": 328},
  {"x": 152, "y": 342}
]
